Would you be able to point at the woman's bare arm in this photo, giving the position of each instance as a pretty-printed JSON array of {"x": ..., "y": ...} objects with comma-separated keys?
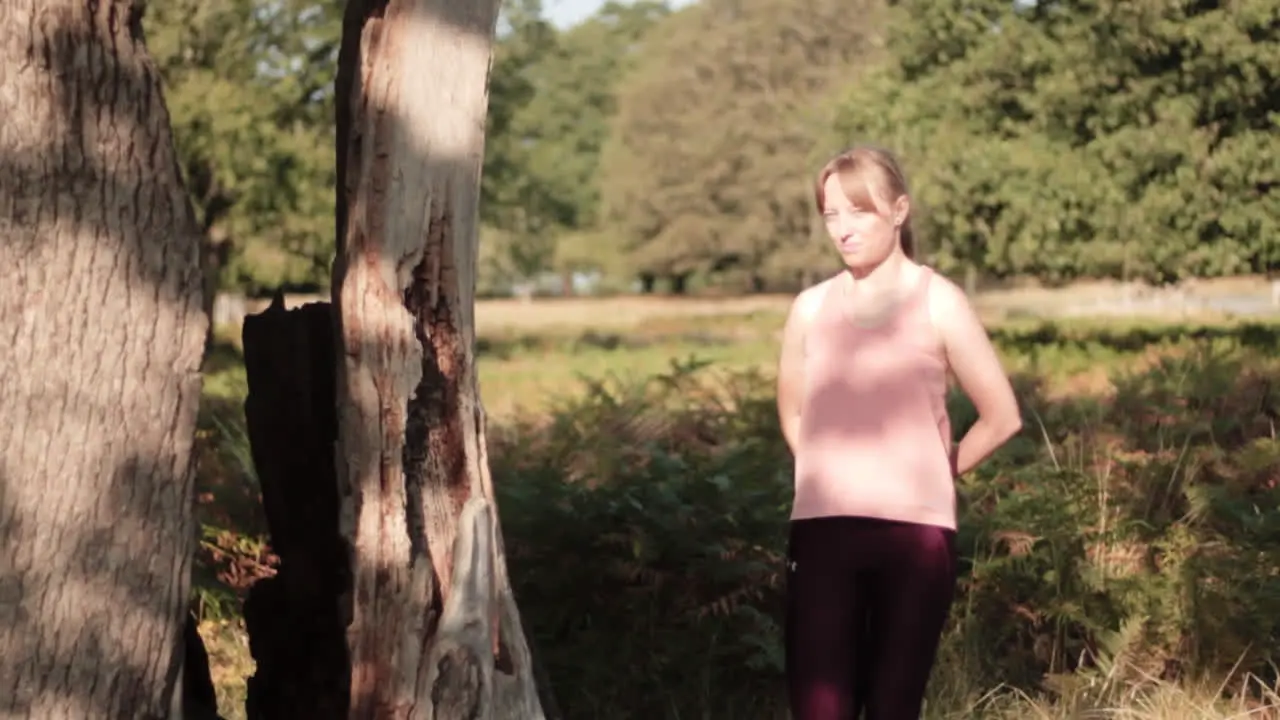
[
  {"x": 976, "y": 366},
  {"x": 791, "y": 363}
]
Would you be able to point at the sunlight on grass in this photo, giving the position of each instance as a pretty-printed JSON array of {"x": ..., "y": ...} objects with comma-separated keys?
[{"x": 529, "y": 383}]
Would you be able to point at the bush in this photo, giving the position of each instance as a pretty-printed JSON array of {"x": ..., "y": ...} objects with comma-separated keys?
[
  {"x": 1125, "y": 539},
  {"x": 645, "y": 534}
]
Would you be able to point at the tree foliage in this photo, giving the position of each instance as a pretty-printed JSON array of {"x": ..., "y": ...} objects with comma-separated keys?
[
  {"x": 1085, "y": 139},
  {"x": 708, "y": 167},
  {"x": 553, "y": 100},
  {"x": 249, "y": 85},
  {"x": 1056, "y": 138}
]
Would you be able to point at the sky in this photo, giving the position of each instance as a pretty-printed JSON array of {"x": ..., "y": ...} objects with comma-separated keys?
[{"x": 566, "y": 13}]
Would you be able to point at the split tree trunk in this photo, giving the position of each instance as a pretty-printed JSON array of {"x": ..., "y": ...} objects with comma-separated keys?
[
  {"x": 296, "y": 633},
  {"x": 102, "y": 332},
  {"x": 434, "y": 629}
]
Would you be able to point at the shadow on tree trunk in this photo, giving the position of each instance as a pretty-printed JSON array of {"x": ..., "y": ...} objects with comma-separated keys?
[{"x": 296, "y": 633}]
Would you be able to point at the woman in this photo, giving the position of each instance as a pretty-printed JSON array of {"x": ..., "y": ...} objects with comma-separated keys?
[{"x": 862, "y": 380}]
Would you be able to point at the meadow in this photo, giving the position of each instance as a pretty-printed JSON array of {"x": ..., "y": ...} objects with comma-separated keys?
[{"x": 1119, "y": 557}]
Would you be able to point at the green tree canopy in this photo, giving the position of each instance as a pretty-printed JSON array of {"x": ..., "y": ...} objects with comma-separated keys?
[
  {"x": 1130, "y": 138},
  {"x": 249, "y": 88},
  {"x": 708, "y": 168}
]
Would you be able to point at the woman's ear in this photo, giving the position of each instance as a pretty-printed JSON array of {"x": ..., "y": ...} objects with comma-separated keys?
[{"x": 901, "y": 210}]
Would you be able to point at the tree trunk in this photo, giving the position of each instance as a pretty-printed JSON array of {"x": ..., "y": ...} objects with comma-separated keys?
[
  {"x": 971, "y": 279},
  {"x": 434, "y": 629},
  {"x": 102, "y": 327},
  {"x": 679, "y": 283},
  {"x": 213, "y": 256},
  {"x": 648, "y": 283},
  {"x": 296, "y": 633},
  {"x": 199, "y": 699}
]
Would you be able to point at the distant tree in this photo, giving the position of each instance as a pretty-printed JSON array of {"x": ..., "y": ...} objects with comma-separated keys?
[
  {"x": 100, "y": 310},
  {"x": 250, "y": 90},
  {"x": 552, "y": 95},
  {"x": 708, "y": 165},
  {"x": 514, "y": 208}
]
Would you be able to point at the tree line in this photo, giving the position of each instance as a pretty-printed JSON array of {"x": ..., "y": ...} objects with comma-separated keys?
[{"x": 673, "y": 150}]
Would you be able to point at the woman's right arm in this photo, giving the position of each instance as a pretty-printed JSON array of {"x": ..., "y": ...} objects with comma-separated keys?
[{"x": 791, "y": 364}]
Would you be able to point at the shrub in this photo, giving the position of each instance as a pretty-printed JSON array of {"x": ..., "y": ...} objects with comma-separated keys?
[{"x": 1123, "y": 539}]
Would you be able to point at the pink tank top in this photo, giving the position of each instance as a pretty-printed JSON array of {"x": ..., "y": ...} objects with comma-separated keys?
[{"x": 875, "y": 438}]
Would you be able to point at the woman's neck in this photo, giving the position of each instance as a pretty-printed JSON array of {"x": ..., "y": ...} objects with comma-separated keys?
[{"x": 881, "y": 278}]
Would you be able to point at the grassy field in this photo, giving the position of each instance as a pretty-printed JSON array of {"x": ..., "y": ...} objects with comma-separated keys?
[{"x": 1119, "y": 556}]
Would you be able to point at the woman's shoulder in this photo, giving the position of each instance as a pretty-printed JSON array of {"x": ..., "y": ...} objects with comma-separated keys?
[
  {"x": 809, "y": 300},
  {"x": 950, "y": 307},
  {"x": 806, "y": 306},
  {"x": 943, "y": 293}
]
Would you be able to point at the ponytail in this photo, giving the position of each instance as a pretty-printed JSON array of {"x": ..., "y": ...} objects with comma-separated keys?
[{"x": 908, "y": 240}]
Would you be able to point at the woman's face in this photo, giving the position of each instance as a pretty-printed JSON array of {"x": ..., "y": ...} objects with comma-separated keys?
[{"x": 864, "y": 236}]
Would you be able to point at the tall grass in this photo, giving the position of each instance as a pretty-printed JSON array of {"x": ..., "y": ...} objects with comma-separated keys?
[{"x": 1119, "y": 557}]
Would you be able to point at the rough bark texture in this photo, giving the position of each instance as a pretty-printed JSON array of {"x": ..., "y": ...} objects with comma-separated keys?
[
  {"x": 101, "y": 334},
  {"x": 199, "y": 699},
  {"x": 296, "y": 634},
  {"x": 434, "y": 629}
]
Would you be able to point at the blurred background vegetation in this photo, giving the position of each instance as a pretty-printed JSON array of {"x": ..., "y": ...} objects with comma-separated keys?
[
  {"x": 672, "y": 151},
  {"x": 1098, "y": 174}
]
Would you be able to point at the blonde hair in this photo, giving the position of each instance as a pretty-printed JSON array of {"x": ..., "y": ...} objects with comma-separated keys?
[{"x": 865, "y": 170}]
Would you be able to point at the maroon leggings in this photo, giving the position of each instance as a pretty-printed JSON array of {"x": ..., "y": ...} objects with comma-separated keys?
[{"x": 866, "y": 603}]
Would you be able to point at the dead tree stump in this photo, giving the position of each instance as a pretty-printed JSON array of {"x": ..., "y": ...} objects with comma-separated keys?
[
  {"x": 199, "y": 699},
  {"x": 296, "y": 631}
]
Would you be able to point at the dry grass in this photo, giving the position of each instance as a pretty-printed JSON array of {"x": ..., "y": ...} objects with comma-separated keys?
[
  {"x": 1235, "y": 285},
  {"x": 574, "y": 338},
  {"x": 497, "y": 316},
  {"x": 502, "y": 316},
  {"x": 1102, "y": 699},
  {"x": 578, "y": 314},
  {"x": 622, "y": 312},
  {"x": 230, "y": 664}
]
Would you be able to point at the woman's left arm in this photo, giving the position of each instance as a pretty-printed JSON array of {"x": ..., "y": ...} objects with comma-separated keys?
[{"x": 976, "y": 366}]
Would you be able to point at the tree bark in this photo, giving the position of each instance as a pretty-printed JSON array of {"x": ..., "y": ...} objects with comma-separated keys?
[
  {"x": 679, "y": 283},
  {"x": 296, "y": 633},
  {"x": 434, "y": 629},
  {"x": 648, "y": 283},
  {"x": 199, "y": 698},
  {"x": 102, "y": 327},
  {"x": 213, "y": 256}
]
